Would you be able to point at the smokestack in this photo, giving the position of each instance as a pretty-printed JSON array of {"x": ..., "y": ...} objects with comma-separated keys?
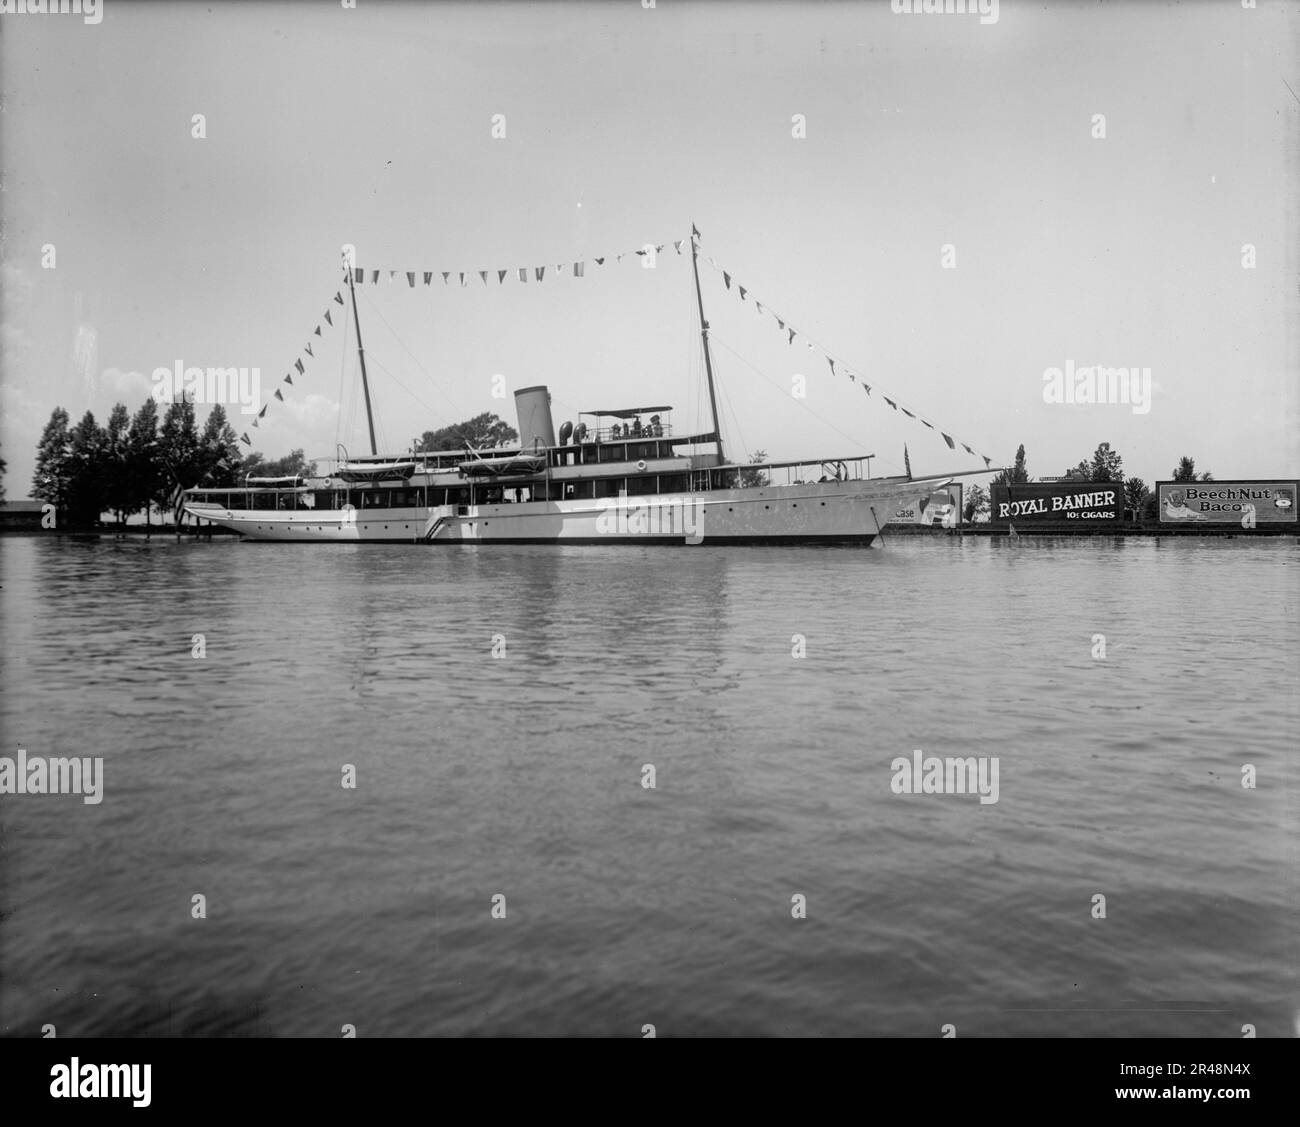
[{"x": 533, "y": 409}]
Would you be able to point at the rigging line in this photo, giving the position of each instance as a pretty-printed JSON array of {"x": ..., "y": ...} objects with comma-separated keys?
[
  {"x": 343, "y": 367},
  {"x": 875, "y": 383},
  {"x": 735, "y": 418},
  {"x": 428, "y": 375},
  {"x": 799, "y": 403}
]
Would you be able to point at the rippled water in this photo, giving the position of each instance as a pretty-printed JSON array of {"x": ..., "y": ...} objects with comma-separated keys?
[{"x": 521, "y": 775}]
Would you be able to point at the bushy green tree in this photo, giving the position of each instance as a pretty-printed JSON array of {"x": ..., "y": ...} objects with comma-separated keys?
[
  {"x": 1017, "y": 474},
  {"x": 1186, "y": 471},
  {"x": 219, "y": 458},
  {"x": 480, "y": 431},
  {"x": 143, "y": 469},
  {"x": 1136, "y": 492},
  {"x": 53, "y": 477},
  {"x": 88, "y": 471},
  {"x": 751, "y": 478},
  {"x": 255, "y": 465},
  {"x": 977, "y": 504},
  {"x": 117, "y": 472}
]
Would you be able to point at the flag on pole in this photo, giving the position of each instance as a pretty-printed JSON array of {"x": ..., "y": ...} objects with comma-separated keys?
[
  {"x": 307, "y": 348},
  {"x": 279, "y": 395},
  {"x": 428, "y": 277},
  {"x": 410, "y": 278},
  {"x": 445, "y": 275},
  {"x": 695, "y": 231},
  {"x": 501, "y": 276},
  {"x": 726, "y": 279},
  {"x": 328, "y": 319},
  {"x": 245, "y": 439},
  {"x": 539, "y": 271},
  {"x": 298, "y": 364},
  {"x": 317, "y": 333},
  {"x": 288, "y": 379},
  {"x": 948, "y": 440}
]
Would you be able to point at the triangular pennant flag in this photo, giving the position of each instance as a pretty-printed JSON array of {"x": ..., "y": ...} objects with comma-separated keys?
[
  {"x": 659, "y": 248},
  {"x": 410, "y": 278},
  {"x": 523, "y": 273},
  {"x": 791, "y": 340},
  {"x": 987, "y": 462},
  {"x": 288, "y": 379},
  {"x": 930, "y": 425},
  {"x": 641, "y": 251},
  {"x": 742, "y": 292},
  {"x": 309, "y": 352},
  {"x": 298, "y": 364},
  {"x": 559, "y": 268},
  {"x": 891, "y": 403},
  {"x": 780, "y": 323},
  {"x": 758, "y": 305},
  {"x": 462, "y": 278},
  {"x": 317, "y": 332},
  {"x": 726, "y": 279},
  {"x": 245, "y": 439},
  {"x": 392, "y": 277},
  {"x": 579, "y": 269},
  {"x": 254, "y": 424},
  {"x": 832, "y": 364},
  {"x": 279, "y": 395},
  {"x": 445, "y": 275},
  {"x": 851, "y": 376},
  {"x": 428, "y": 277},
  {"x": 600, "y": 262},
  {"x": 374, "y": 277},
  {"x": 908, "y": 413},
  {"x": 677, "y": 246},
  {"x": 695, "y": 231},
  {"x": 539, "y": 271},
  {"x": 338, "y": 297},
  {"x": 866, "y": 388},
  {"x": 483, "y": 274},
  {"x": 948, "y": 441},
  {"x": 263, "y": 410},
  {"x": 501, "y": 276},
  {"x": 967, "y": 448},
  {"x": 328, "y": 319}
]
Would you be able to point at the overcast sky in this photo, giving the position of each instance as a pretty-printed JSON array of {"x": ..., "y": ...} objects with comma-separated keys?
[{"x": 622, "y": 125}]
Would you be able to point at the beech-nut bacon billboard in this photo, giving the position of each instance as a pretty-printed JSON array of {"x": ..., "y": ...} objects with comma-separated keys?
[
  {"x": 1244, "y": 503},
  {"x": 1090, "y": 503}
]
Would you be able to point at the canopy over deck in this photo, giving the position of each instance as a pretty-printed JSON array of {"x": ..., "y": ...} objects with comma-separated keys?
[{"x": 625, "y": 412}]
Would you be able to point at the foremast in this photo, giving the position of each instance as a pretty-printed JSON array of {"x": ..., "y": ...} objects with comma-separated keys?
[{"x": 704, "y": 336}]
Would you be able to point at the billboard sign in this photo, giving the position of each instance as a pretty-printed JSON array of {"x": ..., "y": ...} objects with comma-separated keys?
[
  {"x": 1244, "y": 503},
  {"x": 1083, "y": 503},
  {"x": 943, "y": 508}
]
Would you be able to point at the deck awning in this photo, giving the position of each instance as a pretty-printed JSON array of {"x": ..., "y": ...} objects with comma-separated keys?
[{"x": 627, "y": 412}]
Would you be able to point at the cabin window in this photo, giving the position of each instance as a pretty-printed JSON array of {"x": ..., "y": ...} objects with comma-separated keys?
[
  {"x": 641, "y": 486},
  {"x": 607, "y": 486},
  {"x": 674, "y": 483}
]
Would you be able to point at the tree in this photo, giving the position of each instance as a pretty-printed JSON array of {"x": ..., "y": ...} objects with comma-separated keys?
[
  {"x": 117, "y": 478},
  {"x": 482, "y": 430},
  {"x": 977, "y": 503},
  {"x": 747, "y": 479},
  {"x": 219, "y": 458},
  {"x": 52, "y": 480},
  {"x": 142, "y": 466},
  {"x": 87, "y": 484},
  {"x": 178, "y": 451},
  {"x": 1017, "y": 474},
  {"x": 1107, "y": 465},
  {"x": 254, "y": 465},
  {"x": 1135, "y": 495},
  {"x": 1186, "y": 471}
]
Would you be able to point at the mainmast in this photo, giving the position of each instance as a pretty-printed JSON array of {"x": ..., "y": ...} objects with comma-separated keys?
[
  {"x": 361, "y": 353},
  {"x": 704, "y": 336}
]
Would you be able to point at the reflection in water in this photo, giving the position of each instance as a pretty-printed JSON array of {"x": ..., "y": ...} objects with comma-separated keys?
[{"x": 521, "y": 775}]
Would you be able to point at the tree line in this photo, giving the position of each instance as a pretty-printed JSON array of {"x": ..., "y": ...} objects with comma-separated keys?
[{"x": 140, "y": 462}]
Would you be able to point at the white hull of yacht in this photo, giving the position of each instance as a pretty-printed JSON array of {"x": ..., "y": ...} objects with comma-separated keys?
[{"x": 820, "y": 512}]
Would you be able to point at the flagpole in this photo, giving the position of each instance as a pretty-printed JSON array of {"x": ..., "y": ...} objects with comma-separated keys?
[
  {"x": 704, "y": 336},
  {"x": 361, "y": 353}
]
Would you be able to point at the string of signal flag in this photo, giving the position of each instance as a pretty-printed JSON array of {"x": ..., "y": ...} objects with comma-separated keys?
[{"x": 357, "y": 275}]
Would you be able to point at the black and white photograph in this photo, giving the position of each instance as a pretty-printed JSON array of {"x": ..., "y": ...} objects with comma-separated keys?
[{"x": 642, "y": 519}]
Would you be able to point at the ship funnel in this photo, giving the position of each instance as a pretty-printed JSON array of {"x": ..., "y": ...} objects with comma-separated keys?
[{"x": 533, "y": 409}]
